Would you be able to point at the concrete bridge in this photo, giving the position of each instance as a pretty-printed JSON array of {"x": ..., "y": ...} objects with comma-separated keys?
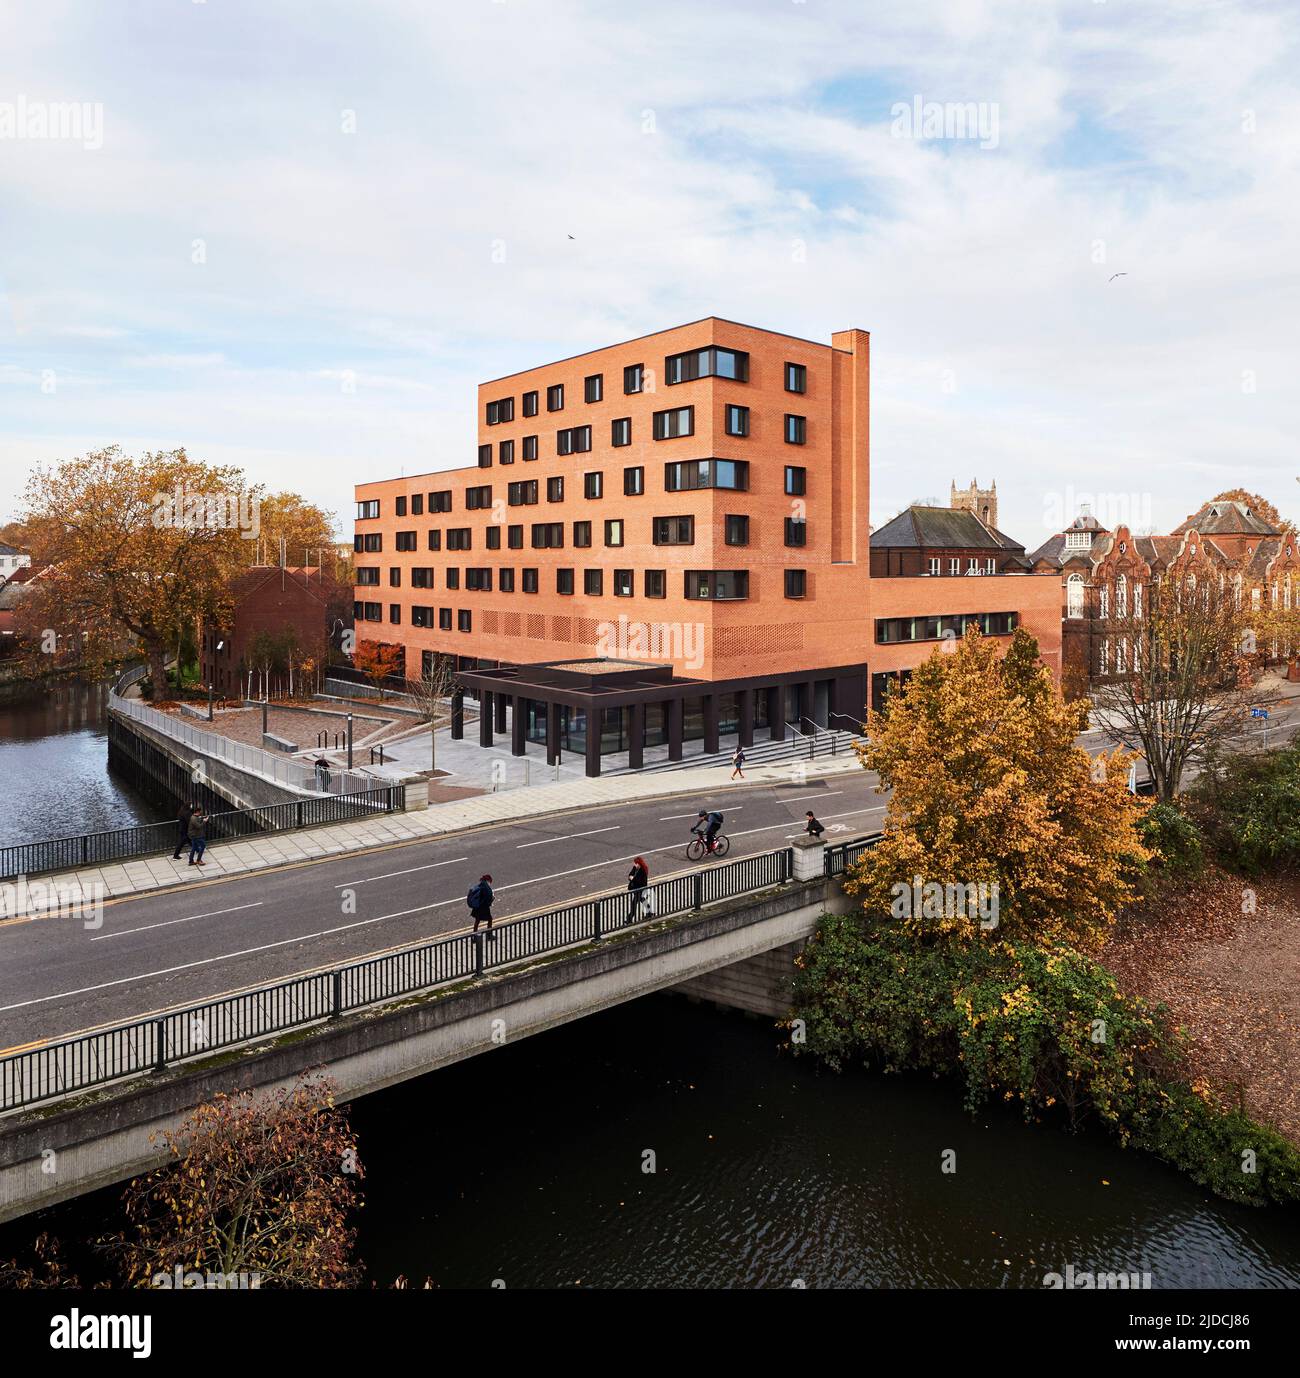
[{"x": 736, "y": 949}]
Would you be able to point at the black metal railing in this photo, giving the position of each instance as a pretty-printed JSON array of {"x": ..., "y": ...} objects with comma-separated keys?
[
  {"x": 841, "y": 855},
  {"x": 77, "y": 1064},
  {"x": 148, "y": 839}
]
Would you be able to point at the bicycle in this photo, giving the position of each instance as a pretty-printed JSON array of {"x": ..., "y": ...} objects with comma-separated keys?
[{"x": 696, "y": 850}]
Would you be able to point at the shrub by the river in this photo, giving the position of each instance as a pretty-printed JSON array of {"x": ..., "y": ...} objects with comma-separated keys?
[{"x": 1043, "y": 1026}]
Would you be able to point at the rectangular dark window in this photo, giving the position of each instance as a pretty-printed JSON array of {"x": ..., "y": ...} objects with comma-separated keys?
[
  {"x": 796, "y": 429},
  {"x": 634, "y": 481},
  {"x": 494, "y": 538},
  {"x": 582, "y": 535},
  {"x": 530, "y": 403},
  {"x": 593, "y": 582},
  {"x": 485, "y": 456},
  {"x": 444, "y": 619},
  {"x": 373, "y": 543},
  {"x": 930, "y": 628},
  {"x": 717, "y": 585},
  {"x": 555, "y": 397},
  {"x": 394, "y": 577},
  {"x": 460, "y": 538},
  {"x": 706, "y": 363},
  {"x": 737, "y": 420},
  {"x": 464, "y": 620},
  {"x": 736, "y": 530},
  {"x": 422, "y": 577},
  {"x": 593, "y": 388},
  {"x": 417, "y": 504},
  {"x": 502, "y": 410},
  {"x": 395, "y": 613},
  {"x": 623, "y": 583},
  {"x": 367, "y": 575},
  {"x": 796, "y": 481},
  {"x": 530, "y": 447},
  {"x": 564, "y": 581},
  {"x": 581, "y": 440},
  {"x": 515, "y": 537},
  {"x": 506, "y": 452},
  {"x": 656, "y": 583},
  {"x": 796, "y": 582},
  {"x": 476, "y": 499},
  {"x": 614, "y": 532},
  {"x": 670, "y": 425},
  {"x": 796, "y": 378},
  {"x": 435, "y": 540},
  {"x": 406, "y": 540},
  {"x": 634, "y": 378},
  {"x": 479, "y": 579},
  {"x": 530, "y": 580},
  {"x": 506, "y": 579},
  {"x": 707, "y": 473},
  {"x": 399, "y": 507},
  {"x": 796, "y": 531},
  {"x": 440, "y": 501},
  {"x": 421, "y": 616},
  {"x": 374, "y": 612},
  {"x": 453, "y": 578},
  {"x": 593, "y": 485},
  {"x": 368, "y": 510},
  {"x": 548, "y": 535},
  {"x": 555, "y": 489},
  {"x": 523, "y": 493},
  {"x": 620, "y": 431},
  {"x": 673, "y": 530}
]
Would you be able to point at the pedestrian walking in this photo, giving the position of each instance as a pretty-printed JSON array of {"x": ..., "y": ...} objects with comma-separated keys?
[
  {"x": 637, "y": 880},
  {"x": 198, "y": 835},
  {"x": 183, "y": 829},
  {"x": 480, "y": 899},
  {"x": 814, "y": 828},
  {"x": 322, "y": 774},
  {"x": 737, "y": 761}
]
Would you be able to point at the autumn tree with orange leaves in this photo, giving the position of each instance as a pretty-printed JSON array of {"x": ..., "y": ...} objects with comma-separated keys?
[
  {"x": 377, "y": 661},
  {"x": 988, "y": 787}
]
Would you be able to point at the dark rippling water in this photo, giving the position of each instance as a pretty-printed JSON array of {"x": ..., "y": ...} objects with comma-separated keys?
[
  {"x": 54, "y": 768},
  {"x": 525, "y": 1165}
]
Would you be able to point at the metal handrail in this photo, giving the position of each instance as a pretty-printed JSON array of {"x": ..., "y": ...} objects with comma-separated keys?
[{"x": 145, "y": 1045}]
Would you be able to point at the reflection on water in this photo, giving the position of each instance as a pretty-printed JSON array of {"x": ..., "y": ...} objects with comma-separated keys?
[
  {"x": 525, "y": 1165},
  {"x": 54, "y": 768}
]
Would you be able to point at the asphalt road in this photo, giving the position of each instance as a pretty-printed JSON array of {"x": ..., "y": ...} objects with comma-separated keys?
[{"x": 190, "y": 943}]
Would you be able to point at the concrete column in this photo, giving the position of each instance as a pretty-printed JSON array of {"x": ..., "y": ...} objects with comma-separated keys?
[
  {"x": 458, "y": 715},
  {"x": 676, "y": 712},
  {"x": 636, "y": 736},
  {"x": 593, "y": 741},
  {"x": 809, "y": 858},
  {"x": 746, "y": 706},
  {"x": 776, "y": 712},
  {"x": 710, "y": 723},
  {"x": 485, "y": 718},
  {"x": 807, "y": 705},
  {"x": 499, "y": 703},
  {"x": 552, "y": 733},
  {"x": 518, "y": 724}
]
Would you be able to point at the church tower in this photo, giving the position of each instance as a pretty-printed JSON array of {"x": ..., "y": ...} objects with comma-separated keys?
[{"x": 982, "y": 501}]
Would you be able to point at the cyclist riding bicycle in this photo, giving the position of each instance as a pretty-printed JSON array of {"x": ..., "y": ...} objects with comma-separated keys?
[{"x": 708, "y": 827}]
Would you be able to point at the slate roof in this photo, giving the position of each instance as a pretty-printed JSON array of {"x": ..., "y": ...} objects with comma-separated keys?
[
  {"x": 1226, "y": 519},
  {"x": 939, "y": 528}
]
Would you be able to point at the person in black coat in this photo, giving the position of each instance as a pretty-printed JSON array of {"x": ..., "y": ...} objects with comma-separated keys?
[
  {"x": 480, "y": 904},
  {"x": 637, "y": 880},
  {"x": 182, "y": 829}
]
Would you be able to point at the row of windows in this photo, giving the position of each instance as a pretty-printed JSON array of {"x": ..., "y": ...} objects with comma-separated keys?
[
  {"x": 671, "y": 424},
  {"x": 990, "y": 565},
  {"x": 889, "y": 629},
  {"x": 686, "y": 476},
  {"x": 698, "y": 585},
  {"x": 550, "y": 536},
  {"x": 712, "y": 362}
]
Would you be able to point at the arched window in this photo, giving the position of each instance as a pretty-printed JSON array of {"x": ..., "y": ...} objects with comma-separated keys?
[
  {"x": 1104, "y": 600},
  {"x": 1137, "y": 601},
  {"x": 1121, "y": 596},
  {"x": 1074, "y": 596}
]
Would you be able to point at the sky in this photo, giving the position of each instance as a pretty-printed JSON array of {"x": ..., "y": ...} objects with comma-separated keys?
[{"x": 295, "y": 235}]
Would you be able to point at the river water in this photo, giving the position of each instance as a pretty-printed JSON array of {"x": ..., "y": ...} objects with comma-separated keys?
[{"x": 54, "y": 768}]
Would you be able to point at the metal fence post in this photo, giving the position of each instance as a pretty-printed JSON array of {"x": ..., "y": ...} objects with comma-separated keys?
[
  {"x": 160, "y": 1045},
  {"x": 595, "y": 923},
  {"x": 336, "y": 998},
  {"x": 697, "y": 901},
  {"x": 477, "y": 939}
]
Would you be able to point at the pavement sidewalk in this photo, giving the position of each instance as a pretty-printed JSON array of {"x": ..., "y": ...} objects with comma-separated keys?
[{"x": 267, "y": 851}]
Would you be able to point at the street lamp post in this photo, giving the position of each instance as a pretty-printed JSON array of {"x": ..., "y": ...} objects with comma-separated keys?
[{"x": 349, "y": 741}]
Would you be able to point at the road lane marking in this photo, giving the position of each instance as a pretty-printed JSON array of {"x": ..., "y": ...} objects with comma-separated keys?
[
  {"x": 825, "y": 794},
  {"x": 167, "y": 923},
  {"x": 674, "y": 817},
  {"x": 568, "y": 837},
  {"x": 410, "y": 870}
]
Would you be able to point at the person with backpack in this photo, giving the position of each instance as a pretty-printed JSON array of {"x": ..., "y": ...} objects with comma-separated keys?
[
  {"x": 637, "y": 880},
  {"x": 198, "y": 835},
  {"x": 815, "y": 828},
  {"x": 708, "y": 826},
  {"x": 480, "y": 899},
  {"x": 737, "y": 761},
  {"x": 183, "y": 829}
]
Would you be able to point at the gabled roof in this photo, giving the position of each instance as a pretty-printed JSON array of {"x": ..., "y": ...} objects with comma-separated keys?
[
  {"x": 940, "y": 528},
  {"x": 7, "y": 549},
  {"x": 1227, "y": 518}
]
